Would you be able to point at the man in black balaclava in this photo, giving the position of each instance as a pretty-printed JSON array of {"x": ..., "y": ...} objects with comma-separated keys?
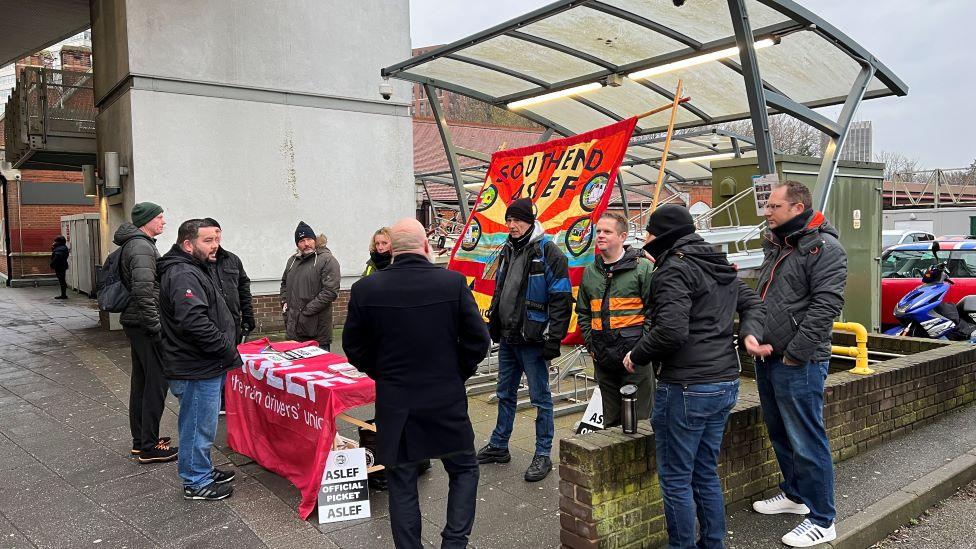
[{"x": 695, "y": 294}]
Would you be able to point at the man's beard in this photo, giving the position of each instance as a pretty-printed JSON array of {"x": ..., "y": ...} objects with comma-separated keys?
[{"x": 306, "y": 253}]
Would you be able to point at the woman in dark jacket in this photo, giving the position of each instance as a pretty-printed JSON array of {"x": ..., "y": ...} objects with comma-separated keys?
[
  {"x": 59, "y": 262},
  {"x": 380, "y": 252}
]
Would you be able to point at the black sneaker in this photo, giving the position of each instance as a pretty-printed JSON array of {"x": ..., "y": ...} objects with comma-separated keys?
[
  {"x": 160, "y": 453},
  {"x": 61, "y": 297},
  {"x": 493, "y": 454},
  {"x": 538, "y": 469},
  {"x": 136, "y": 450},
  {"x": 212, "y": 492},
  {"x": 222, "y": 477}
]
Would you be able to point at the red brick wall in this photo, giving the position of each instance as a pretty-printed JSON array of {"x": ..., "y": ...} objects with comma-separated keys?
[{"x": 267, "y": 312}]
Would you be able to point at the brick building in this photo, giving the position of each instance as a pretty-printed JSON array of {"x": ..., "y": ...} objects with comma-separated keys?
[{"x": 32, "y": 205}]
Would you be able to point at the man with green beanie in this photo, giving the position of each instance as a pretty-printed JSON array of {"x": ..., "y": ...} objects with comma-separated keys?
[{"x": 140, "y": 321}]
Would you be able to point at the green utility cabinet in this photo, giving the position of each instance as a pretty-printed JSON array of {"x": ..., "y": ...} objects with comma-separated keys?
[{"x": 854, "y": 208}]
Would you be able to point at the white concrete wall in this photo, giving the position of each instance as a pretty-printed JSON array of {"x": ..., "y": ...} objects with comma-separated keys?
[
  {"x": 259, "y": 114},
  {"x": 259, "y": 168}
]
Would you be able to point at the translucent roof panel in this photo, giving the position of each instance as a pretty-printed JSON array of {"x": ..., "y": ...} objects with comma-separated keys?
[
  {"x": 602, "y": 35},
  {"x": 602, "y": 41},
  {"x": 570, "y": 114},
  {"x": 707, "y": 22},
  {"x": 472, "y": 77},
  {"x": 713, "y": 87},
  {"x": 527, "y": 58}
]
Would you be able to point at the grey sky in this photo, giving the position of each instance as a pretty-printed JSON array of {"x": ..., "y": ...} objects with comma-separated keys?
[{"x": 922, "y": 41}]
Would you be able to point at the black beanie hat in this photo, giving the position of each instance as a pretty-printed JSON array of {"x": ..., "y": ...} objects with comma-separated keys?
[
  {"x": 668, "y": 223},
  {"x": 521, "y": 209},
  {"x": 303, "y": 231}
]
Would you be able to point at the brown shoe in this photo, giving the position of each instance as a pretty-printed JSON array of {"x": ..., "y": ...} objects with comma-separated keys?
[{"x": 160, "y": 453}]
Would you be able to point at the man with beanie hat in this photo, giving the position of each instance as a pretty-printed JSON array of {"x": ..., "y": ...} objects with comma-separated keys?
[
  {"x": 529, "y": 316},
  {"x": 802, "y": 283},
  {"x": 695, "y": 293},
  {"x": 140, "y": 321},
  {"x": 309, "y": 287}
]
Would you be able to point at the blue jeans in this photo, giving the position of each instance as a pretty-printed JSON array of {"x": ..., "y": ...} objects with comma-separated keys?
[
  {"x": 199, "y": 405},
  {"x": 689, "y": 422},
  {"x": 792, "y": 405},
  {"x": 513, "y": 360}
]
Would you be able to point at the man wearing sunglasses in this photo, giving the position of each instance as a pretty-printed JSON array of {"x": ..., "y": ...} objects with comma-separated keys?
[{"x": 802, "y": 284}]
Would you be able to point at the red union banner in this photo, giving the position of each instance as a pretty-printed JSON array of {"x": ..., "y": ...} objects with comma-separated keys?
[{"x": 570, "y": 182}]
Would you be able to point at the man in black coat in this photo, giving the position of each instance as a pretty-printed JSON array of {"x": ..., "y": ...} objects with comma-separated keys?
[
  {"x": 235, "y": 285},
  {"x": 198, "y": 348},
  {"x": 59, "y": 262},
  {"x": 415, "y": 328},
  {"x": 140, "y": 322}
]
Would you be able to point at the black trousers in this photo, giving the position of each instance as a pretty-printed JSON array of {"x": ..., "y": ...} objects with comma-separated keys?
[
  {"x": 462, "y": 493},
  {"x": 610, "y": 378},
  {"x": 62, "y": 282},
  {"x": 147, "y": 389}
]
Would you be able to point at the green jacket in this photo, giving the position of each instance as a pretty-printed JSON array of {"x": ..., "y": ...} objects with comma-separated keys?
[{"x": 613, "y": 305}]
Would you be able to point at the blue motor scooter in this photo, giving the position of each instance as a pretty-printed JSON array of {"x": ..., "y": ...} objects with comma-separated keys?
[{"x": 923, "y": 312}]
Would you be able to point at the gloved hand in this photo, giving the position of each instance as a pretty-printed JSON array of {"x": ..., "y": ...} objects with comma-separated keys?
[
  {"x": 551, "y": 349},
  {"x": 248, "y": 325}
]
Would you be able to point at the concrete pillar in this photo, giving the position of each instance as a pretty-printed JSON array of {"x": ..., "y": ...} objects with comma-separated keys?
[{"x": 258, "y": 114}]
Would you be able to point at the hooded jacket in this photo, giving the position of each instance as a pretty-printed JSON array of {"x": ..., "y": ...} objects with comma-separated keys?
[
  {"x": 533, "y": 299},
  {"x": 59, "y": 256},
  {"x": 613, "y": 305},
  {"x": 236, "y": 288},
  {"x": 309, "y": 286},
  {"x": 137, "y": 265},
  {"x": 695, "y": 293},
  {"x": 801, "y": 282},
  {"x": 198, "y": 329}
]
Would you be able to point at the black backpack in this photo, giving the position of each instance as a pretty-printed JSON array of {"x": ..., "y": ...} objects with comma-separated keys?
[{"x": 113, "y": 295}]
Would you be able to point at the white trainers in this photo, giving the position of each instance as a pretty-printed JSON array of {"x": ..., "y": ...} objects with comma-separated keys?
[
  {"x": 808, "y": 534},
  {"x": 779, "y": 504}
]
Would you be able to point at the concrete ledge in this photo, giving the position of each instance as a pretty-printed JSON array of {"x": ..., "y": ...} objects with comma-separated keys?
[{"x": 890, "y": 513}]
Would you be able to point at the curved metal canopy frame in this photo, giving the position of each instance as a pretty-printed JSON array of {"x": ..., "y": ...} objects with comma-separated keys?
[{"x": 761, "y": 95}]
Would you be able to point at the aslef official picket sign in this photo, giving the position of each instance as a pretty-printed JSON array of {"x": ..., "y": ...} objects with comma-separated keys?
[{"x": 344, "y": 494}]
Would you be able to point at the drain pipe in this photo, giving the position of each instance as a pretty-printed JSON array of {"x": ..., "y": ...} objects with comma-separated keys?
[
  {"x": 6, "y": 229},
  {"x": 859, "y": 353}
]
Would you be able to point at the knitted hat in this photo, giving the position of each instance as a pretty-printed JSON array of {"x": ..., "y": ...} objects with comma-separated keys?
[
  {"x": 521, "y": 209},
  {"x": 144, "y": 212},
  {"x": 303, "y": 231},
  {"x": 668, "y": 223}
]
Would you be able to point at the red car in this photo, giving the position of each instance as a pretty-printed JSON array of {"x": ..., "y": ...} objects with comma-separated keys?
[{"x": 902, "y": 267}]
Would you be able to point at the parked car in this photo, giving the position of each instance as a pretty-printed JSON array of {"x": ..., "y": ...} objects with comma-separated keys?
[
  {"x": 903, "y": 265},
  {"x": 892, "y": 237}
]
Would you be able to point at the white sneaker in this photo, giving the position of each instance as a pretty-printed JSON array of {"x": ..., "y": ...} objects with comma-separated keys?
[
  {"x": 780, "y": 504},
  {"x": 808, "y": 534}
]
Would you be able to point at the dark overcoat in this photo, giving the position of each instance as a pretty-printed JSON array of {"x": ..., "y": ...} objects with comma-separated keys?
[{"x": 415, "y": 328}]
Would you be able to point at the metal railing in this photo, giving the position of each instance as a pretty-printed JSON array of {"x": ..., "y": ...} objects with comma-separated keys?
[
  {"x": 47, "y": 111},
  {"x": 951, "y": 187}
]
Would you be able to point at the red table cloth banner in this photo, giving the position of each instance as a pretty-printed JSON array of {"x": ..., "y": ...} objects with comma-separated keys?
[
  {"x": 570, "y": 182},
  {"x": 281, "y": 413}
]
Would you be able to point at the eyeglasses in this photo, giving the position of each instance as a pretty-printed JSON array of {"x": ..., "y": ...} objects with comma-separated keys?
[{"x": 773, "y": 207}]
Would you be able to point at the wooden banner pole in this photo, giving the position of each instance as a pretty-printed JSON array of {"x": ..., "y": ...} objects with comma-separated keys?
[{"x": 667, "y": 147}]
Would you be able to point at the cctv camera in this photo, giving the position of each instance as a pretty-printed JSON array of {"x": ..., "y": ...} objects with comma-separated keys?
[
  {"x": 679, "y": 3},
  {"x": 17, "y": 177},
  {"x": 386, "y": 89}
]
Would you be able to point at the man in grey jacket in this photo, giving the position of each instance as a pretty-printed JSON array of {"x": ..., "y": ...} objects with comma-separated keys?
[
  {"x": 140, "y": 321},
  {"x": 309, "y": 287},
  {"x": 802, "y": 284}
]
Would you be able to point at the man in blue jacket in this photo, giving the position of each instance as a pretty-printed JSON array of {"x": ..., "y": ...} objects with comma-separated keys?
[
  {"x": 198, "y": 348},
  {"x": 529, "y": 316}
]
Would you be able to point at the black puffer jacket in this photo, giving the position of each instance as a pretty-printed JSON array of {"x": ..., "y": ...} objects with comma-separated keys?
[
  {"x": 802, "y": 283},
  {"x": 695, "y": 293},
  {"x": 59, "y": 256},
  {"x": 236, "y": 286},
  {"x": 138, "y": 268},
  {"x": 198, "y": 329}
]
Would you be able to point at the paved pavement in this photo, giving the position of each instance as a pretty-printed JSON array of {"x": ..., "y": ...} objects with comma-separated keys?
[
  {"x": 68, "y": 481},
  {"x": 948, "y": 525}
]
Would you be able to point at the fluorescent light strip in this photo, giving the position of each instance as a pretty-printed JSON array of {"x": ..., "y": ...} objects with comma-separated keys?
[
  {"x": 698, "y": 60},
  {"x": 718, "y": 156},
  {"x": 554, "y": 95}
]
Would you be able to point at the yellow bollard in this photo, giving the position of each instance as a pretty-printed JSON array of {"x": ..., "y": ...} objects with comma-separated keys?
[{"x": 860, "y": 353}]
